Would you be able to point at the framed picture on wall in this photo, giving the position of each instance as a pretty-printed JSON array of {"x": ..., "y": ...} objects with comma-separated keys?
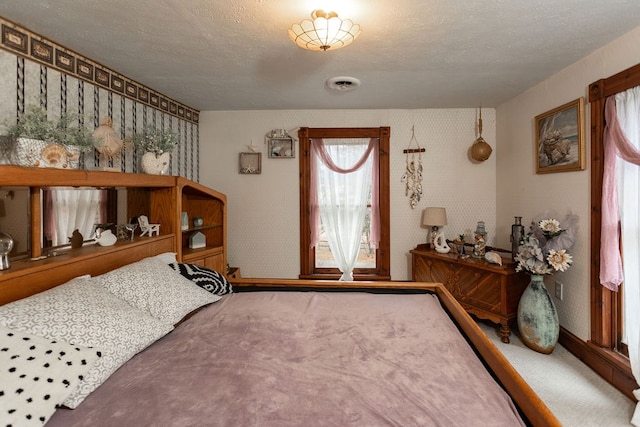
[
  {"x": 250, "y": 163},
  {"x": 559, "y": 139},
  {"x": 281, "y": 148}
]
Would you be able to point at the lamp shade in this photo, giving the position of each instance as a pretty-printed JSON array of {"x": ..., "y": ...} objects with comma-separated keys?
[{"x": 434, "y": 217}]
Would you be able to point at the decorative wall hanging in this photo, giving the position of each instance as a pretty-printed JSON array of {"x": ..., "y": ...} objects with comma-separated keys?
[
  {"x": 412, "y": 177},
  {"x": 559, "y": 140},
  {"x": 480, "y": 150},
  {"x": 250, "y": 163},
  {"x": 280, "y": 144}
]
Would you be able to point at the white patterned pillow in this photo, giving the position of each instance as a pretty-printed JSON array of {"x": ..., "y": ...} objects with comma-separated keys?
[
  {"x": 37, "y": 374},
  {"x": 167, "y": 257},
  {"x": 155, "y": 288},
  {"x": 83, "y": 313}
]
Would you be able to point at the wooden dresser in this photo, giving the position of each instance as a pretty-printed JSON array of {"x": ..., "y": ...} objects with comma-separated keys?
[{"x": 488, "y": 291}]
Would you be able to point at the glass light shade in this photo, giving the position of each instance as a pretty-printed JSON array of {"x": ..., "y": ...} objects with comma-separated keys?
[
  {"x": 326, "y": 31},
  {"x": 6, "y": 244}
]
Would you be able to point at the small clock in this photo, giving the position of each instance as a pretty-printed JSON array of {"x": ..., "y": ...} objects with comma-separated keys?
[{"x": 197, "y": 221}]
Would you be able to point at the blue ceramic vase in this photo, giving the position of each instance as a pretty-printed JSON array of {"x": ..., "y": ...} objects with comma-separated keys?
[{"x": 537, "y": 317}]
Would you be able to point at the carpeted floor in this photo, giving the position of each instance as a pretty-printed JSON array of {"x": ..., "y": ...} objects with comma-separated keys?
[{"x": 573, "y": 392}]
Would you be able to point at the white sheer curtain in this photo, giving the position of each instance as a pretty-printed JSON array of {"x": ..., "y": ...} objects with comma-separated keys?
[
  {"x": 74, "y": 208},
  {"x": 628, "y": 177},
  {"x": 342, "y": 200}
]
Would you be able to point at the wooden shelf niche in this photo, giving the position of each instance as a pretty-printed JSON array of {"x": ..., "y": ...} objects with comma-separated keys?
[{"x": 200, "y": 201}]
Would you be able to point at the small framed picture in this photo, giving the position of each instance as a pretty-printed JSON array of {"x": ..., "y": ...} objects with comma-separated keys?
[
  {"x": 559, "y": 139},
  {"x": 281, "y": 148},
  {"x": 250, "y": 163}
]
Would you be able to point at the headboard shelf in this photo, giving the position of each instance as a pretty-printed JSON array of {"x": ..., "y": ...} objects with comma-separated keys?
[
  {"x": 67, "y": 256},
  {"x": 29, "y": 278},
  {"x": 49, "y": 177},
  {"x": 162, "y": 198}
]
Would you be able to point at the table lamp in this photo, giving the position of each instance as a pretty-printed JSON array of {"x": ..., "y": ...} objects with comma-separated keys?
[{"x": 436, "y": 218}]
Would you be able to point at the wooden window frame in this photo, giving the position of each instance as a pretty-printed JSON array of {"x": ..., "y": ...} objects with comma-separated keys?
[
  {"x": 606, "y": 305},
  {"x": 307, "y": 254}
]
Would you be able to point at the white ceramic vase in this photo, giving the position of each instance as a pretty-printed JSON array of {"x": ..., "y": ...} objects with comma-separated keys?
[{"x": 156, "y": 164}]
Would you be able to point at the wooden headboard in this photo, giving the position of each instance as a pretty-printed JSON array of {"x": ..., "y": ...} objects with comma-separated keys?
[
  {"x": 161, "y": 198},
  {"x": 30, "y": 277}
]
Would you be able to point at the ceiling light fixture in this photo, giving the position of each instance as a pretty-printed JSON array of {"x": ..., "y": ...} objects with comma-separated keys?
[{"x": 325, "y": 31}]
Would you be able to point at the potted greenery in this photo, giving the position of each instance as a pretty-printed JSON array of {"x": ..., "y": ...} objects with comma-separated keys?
[
  {"x": 157, "y": 145},
  {"x": 32, "y": 125},
  {"x": 66, "y": 134},
  {"x": 36, "y": 141},
  {"x": 28, "y": 136},
  {"x": 76, "y": 139}
]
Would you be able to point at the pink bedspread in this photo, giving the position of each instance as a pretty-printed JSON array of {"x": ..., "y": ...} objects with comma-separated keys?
[{"x": 304, "y": 359}]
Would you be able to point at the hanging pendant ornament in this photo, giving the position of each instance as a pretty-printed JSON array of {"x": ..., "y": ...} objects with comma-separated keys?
[
  {"x": 412, "y": 177},
  {"x": 480, "y": 150}
]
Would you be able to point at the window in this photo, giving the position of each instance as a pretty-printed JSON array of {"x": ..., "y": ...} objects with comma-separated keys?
[
  {"x": 68, "y": 209},
  {"x": 607, "y": 307},
  {"x": 317, "y": 262},
  {"x": 627, "y": 115}
]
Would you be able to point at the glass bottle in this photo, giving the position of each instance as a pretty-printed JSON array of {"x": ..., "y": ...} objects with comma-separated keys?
[
  {"x": 480, "y": 241},
  {"x": 517, "y": 232}
]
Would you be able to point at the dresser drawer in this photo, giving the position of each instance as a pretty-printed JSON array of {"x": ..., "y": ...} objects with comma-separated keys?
[{"x": 488, "y": 291}]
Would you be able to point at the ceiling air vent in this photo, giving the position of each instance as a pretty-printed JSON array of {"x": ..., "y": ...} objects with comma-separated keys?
[{"x": 343, "y": 84}]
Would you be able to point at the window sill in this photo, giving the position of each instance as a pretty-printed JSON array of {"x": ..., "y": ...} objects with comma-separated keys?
[{"x": 334, "y": 276}]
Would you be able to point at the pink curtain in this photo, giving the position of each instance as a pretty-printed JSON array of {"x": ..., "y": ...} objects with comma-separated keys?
[
  {"x": 318, "y": 151},
  {"x": 615, "y": 144}
]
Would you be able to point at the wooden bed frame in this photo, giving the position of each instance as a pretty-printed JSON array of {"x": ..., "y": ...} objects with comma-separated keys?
[
  {"x": 41, "y": 278},
  {"x": 30, "y": 277}
]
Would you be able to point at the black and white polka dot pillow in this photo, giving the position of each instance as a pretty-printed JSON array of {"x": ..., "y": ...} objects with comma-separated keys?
[{"x": 37, "y": 374}]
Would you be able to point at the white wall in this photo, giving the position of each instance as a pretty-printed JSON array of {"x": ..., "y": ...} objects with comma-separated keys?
[
  {"x": 524, "y": 193},
  {"x": 263, "y": 210}
]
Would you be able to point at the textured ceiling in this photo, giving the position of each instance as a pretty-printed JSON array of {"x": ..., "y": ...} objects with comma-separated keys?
[{"x": 235, "y": 54}]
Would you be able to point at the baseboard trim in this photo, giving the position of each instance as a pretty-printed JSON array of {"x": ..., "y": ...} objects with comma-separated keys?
[{"x": 610, "y": 366}]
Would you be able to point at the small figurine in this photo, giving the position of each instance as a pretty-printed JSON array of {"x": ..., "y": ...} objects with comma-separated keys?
[
  {"x": 479, "y": 246},
  {"x": 493, "y": 257},
  {"x": 107, "y": 238},
  {"x": 76, "y": 239},
  {"x": 107, "y": 141}
]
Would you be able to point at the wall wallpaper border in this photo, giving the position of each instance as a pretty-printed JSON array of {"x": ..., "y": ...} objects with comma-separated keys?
[{"x": 23, "y": 42}]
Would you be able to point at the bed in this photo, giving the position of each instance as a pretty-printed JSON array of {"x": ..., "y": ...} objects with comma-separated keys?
[{"x": 270, "y": 353}]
